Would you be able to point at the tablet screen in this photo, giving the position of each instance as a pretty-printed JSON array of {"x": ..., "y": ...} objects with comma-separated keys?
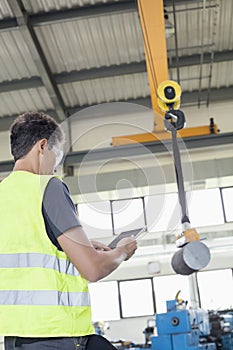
[{"x": 136, "y": 233}]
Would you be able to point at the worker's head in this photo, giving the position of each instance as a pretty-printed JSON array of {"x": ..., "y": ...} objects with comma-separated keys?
[{"x": 36, "y": 139}]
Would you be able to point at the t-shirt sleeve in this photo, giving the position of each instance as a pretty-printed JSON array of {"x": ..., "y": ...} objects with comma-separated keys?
[{"x": 58, "y": 208}]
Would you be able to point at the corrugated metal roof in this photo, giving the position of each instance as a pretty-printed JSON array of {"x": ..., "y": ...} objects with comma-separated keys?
[
  {"x": 222, "y": 74},
  {"x": 5, "y": 11},
  {"x": 15, "y": 59},
  {"x": 104, "y": 41},
  {"x": 225, "y": 26},
  {"x": 37, "y": 6},
  {"x": 16, "y": 102},
  {"x": 202, "y": 30},
  {"x": 92, "y": 42},
  {"x": 105, "y": 90}
]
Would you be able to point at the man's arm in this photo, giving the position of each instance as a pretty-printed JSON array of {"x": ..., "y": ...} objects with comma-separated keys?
[
  {"x": 94, "y": 264},
  {"x": 91, "y": 261}
]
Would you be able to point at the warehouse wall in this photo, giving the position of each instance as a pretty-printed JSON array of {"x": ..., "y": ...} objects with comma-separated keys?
[
  {"x": 5, "y": 146},
  {"x": 221, "y": 112}
]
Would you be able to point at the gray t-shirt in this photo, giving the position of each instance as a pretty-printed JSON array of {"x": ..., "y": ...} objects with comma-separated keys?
[{"x": 58, "y": 210}]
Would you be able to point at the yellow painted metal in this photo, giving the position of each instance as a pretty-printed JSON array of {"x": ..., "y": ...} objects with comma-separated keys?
[
  {"x": 151, "y": 14},
  {"x": 190, "y": 235},
  {"x": 163, "y": 135},
  {"x": 164, "y": 103}
]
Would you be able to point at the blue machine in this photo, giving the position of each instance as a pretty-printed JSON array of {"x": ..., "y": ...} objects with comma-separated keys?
[
  {"x": 181, "y": 329},
  {"x": 227, "y": 332},
  {"x": 227, "y": 342}
]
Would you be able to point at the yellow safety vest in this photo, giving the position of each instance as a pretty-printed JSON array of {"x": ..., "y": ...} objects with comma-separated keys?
[{"x": 41, "y": 292}]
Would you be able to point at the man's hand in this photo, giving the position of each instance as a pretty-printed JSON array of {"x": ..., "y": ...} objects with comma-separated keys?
[
  {"x": 99, "y": 245},
  {"x": 127, "y": 246},
  {"x": 90, "y": 260}
]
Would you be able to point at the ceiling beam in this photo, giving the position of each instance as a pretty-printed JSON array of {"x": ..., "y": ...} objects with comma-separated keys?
[
  {"x": 181, "y": 2},
  {"x": 188, "y": 98},
  {"x": 102, "y": 72},
  {"x": 75, "y": 76},
  {"x": 8, "y": 24},
  {"x": 20, "y": 84},
  {"x": 110, "y": 8},
  {"x": 216, "y": 95},
  {"x": 153, "y": 147},
  {"x": 74, "y": 158},
  {"x": 92, "y": 182},
  {"x": 195, "y": 60},
  {"x": 6, "y": 121},
  {"x": 143, "y": 101},
  {"x": 38, "y": 56},
  {"x": 111, "y": 71}
]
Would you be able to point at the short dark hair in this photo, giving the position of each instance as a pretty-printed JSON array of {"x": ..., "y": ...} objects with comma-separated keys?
[{"x": 30, "y": 127}]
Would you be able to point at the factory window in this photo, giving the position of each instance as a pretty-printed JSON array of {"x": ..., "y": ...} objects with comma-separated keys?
[
  {"x": 96, "y": 219},
  {"x": 205, "y": 208},
  {"x": 136, "y": 298},
  {"x": 227, "y": 195},
  {"x": 216, "y": 289},
  {"x": 162, "y": 212},
  {"x": 128, "y": 214},
  {"x": 166, "y": 288},
  {"x": 104, "y": 301}
]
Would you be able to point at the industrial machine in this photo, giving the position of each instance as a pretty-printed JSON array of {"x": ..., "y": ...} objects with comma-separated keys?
[
  {"x": 221, "y": 329},
  {"x": 182, "y": 329}
]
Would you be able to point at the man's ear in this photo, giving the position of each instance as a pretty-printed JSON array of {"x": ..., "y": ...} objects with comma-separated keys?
[{"x": 41, "y": 144}]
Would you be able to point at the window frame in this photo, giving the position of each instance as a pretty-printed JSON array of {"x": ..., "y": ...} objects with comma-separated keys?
[{"x": 152, "y": 295}]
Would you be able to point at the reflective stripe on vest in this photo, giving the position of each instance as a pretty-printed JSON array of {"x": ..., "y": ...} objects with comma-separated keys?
[
  {"x": 23, "y": 260},
  {"x": 44, "y": 297}
]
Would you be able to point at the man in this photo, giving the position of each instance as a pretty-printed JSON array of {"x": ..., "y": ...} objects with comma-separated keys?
[{"x": 46, "y": 258}]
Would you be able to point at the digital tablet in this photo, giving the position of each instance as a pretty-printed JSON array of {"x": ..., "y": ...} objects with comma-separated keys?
[{"x": 136, "y": 233}]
